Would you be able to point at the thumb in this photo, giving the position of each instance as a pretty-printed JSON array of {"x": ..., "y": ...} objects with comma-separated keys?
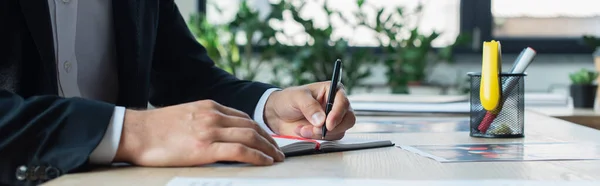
[{"x": 311, "y": 109}]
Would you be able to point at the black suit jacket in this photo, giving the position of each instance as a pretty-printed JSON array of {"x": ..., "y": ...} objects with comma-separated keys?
[{"x": 159, "y": 61}]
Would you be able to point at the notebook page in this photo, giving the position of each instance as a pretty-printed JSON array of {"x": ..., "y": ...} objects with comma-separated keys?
[{"x": 282, "y": 142}]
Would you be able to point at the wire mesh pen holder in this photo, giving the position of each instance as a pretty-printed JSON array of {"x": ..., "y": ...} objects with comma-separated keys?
[{"x": 507, "y": 121}]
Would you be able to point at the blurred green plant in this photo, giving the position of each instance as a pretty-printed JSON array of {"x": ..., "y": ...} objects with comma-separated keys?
[
  {"x": 217, "y": 41},
  {"x": 409, "y": 52},
  {"x": 404, "y": 50},
  {"x": 256, "y": 33},
  {"x": 583, "y": 77},
  {"x": 221, "y": 41},
  {"x": 312, "y": 61}
]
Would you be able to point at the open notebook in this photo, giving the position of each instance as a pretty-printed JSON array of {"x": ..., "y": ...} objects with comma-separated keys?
[{"x": 294, "y": 146}]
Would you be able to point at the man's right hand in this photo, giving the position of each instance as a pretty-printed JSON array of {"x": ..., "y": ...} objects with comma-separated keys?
[{"x": 192, "y": 134}]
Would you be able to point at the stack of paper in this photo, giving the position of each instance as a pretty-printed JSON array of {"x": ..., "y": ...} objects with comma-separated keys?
[
  {"x": 410, "y": 103},
  {"x": 408, "y": 98},
  {"x": 548, "y": 100},
  {"x": 457, "y": 107},
  {"x": 453, "y": 104}
]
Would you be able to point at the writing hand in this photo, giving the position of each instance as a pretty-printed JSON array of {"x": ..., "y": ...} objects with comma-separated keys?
[{"x": 300, "y": 111}]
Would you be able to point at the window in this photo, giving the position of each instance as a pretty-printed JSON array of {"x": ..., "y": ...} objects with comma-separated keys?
[
  {"x": 187, "y": 7},
  {"x": 549, "y": 26},
  {"x": 440, "y": 16},
  {"x": 552, "y": 18}
]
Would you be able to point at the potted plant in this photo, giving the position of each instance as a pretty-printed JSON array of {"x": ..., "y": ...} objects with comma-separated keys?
[{"x": 583, "y": 89}]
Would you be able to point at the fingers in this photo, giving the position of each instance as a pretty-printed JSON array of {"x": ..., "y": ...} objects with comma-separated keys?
[
  {"x": 237, "y": 152},
  {"x": 310, "y": 108},
  {"x": 236, "y": 122},
  {"x": 250, "y": 138},
  {"x": 310, "y": 131},
  {"x": 346, "y": 123},
  {"x": 341, "y": 105}
]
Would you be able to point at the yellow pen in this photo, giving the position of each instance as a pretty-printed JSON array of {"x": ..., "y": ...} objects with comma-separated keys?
[{"x": 490, "y": 85}]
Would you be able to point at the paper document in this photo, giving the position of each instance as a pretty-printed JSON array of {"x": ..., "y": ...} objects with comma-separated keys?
[
  {"x": 507, "y": 152},
  {"x": 190, "y": 181}
]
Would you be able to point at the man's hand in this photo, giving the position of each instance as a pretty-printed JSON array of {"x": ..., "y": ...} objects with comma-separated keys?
[
  {"x": 194, "y": 134},
  {"x": 300, "y": 111}
]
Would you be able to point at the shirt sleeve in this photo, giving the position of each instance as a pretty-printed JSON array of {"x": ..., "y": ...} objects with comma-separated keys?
[
  {"x": 260, "y": 108},
  {"x": 106, "y": 150}
]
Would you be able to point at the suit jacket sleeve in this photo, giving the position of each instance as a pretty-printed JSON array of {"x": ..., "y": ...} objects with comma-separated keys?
[
  {"x": 48, "y": 136},
  {"x": 183, "y": 72}
]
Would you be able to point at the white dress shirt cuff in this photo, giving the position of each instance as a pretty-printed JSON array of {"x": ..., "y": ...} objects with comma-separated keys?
[
  {"x": 260, "y": 108},
  {"x": 107, "y": 149}
]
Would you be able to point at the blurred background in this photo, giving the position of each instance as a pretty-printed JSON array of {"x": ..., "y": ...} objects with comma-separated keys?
[{"x": 397, "y": 46}]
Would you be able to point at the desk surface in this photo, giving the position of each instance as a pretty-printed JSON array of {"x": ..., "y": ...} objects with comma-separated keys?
[{"x": 389, "y": 163}]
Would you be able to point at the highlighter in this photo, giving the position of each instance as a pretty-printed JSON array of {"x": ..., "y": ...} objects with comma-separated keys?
[
  {"x": 490, "y": 85},
  {"x": 490, "y": 93}
]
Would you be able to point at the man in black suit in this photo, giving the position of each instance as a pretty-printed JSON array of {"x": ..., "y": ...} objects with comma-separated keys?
[{"x": 77, "y": 77}]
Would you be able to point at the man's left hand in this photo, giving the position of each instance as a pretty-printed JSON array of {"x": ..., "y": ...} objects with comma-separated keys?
[{"x": 300, "y": 111}]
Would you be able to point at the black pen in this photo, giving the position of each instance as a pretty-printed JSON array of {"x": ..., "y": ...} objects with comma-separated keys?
[{"x": 337, "y": 77}]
